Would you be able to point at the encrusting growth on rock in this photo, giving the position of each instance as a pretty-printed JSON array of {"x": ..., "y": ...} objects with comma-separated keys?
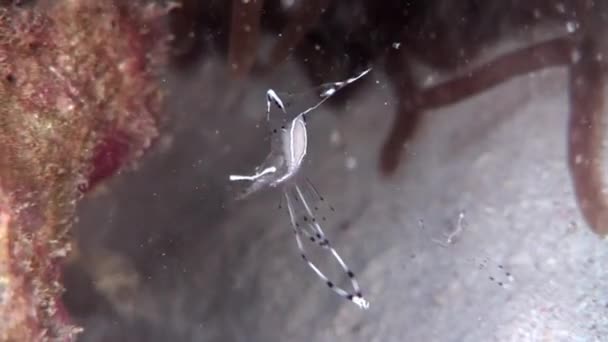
[{"x": 79, "y": 100}]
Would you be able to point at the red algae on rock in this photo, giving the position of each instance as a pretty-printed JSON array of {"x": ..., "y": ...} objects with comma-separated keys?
[{"x": 79, "y": 99}]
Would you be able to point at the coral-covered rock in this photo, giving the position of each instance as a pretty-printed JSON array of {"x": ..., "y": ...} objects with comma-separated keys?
[{"x": 79, "y": 99}]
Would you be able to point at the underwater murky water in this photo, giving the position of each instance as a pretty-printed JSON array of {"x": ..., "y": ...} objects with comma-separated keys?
[{"x": 459, "y": 218}]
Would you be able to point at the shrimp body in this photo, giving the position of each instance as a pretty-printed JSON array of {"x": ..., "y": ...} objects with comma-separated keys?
[{"x": 288, "y": 147}]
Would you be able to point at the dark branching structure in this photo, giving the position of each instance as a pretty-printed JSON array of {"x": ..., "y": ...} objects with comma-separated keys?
[{"x": 332, "y": 39}]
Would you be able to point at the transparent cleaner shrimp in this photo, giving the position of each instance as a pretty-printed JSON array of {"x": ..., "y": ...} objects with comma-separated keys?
[{"x": 288, "y": 147}]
